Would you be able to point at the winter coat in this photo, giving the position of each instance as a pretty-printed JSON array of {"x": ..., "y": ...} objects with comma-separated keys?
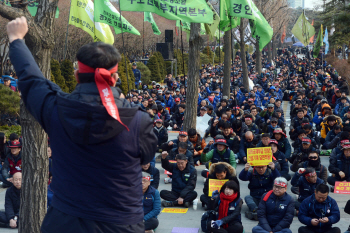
[
  {"x": 169, "y": 102},
  {"x": 280, "y": 157},
  {"x": 162, "y": 134},
  {"x": 340, "y": 163},
  {"x": 284, "y": 146},
  {"x": 233, "y": 212},
  {"x": 178, "y": 118},
  {"x": 154, "y": 172},
  {"x": 12, "y": 202},
  {"x": 175, "y": 151},
  {"x": 276, "y": 213},
  {"x": 325, "y": 128},
  {"x": 259, "y": 184},
  {"x": 306, "y": 188},
  {"x": 79, "y": 128},
  {"x": 184, "y": 181},
  {"x": 12, "y": 164},
  {"x": 151, "y": 203},
  {"x": 199, "y": 145},
  {"x": 310, "y": 208},
  {"x": 321, "y": 170},
  {"x": 230, "y": 175}
]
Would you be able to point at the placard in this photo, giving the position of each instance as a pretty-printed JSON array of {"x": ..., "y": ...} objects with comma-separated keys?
[
  {"x": 342, "y": 187},
  {"x": 259, "y": 156},
  {"x": 175, "y": 210},
  {"x": 215, "y": 184}
]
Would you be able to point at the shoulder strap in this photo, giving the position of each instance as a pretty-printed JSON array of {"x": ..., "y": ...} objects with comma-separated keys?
[{"x": 268, "y": 194}]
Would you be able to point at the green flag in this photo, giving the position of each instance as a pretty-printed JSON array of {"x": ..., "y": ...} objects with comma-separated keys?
[
  {"x": 186, "y": 27},
  {"x": 227, "y": 21},
  {"x": 82, "y": 16},
  {"x": 260, "y": 28},
  {"x": 211, "y": 28},
  {"x": 32, "y": 7},
  {"x": 192, "y": 11},
  {"x": 319, "y": 42},
  {"x": 106, "y": 13},
  {"x": 303, "y": 30},
  {"x": 148, "y": 17}
]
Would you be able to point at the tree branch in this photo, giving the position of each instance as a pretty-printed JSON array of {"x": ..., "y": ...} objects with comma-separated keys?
[{"x": 9, "y": 12}]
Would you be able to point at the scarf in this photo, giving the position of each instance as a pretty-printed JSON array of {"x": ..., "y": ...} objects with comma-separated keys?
[{"x": 223, "y": 208}]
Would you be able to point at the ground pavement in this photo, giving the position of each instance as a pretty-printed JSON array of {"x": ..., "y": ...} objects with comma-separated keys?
[{"x": 192, "y": 218}]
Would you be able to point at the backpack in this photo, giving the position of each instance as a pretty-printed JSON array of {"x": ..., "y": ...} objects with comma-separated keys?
[{"x": 207, "y": 217}]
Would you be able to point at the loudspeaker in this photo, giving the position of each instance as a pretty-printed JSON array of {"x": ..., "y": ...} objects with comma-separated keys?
[
  {"x": 166, "y": 49},
  {"x": 169, "y": 35}
]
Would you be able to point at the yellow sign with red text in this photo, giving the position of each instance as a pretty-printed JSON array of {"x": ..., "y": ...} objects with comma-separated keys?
[
  {"x": 342, "y": 187},
  {"x": 259, "y": 156},
  {"x": 175, "y": 210},
  {"x": 215, "y": 184}
]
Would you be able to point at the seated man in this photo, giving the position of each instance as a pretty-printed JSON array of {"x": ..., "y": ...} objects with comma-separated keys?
[
  {"x": 198, "y": 144},
  {"x": 339, "y": 165},
  {"x": 280, "y": 158},
  {"x": 183, "y": 137},
  {"x": 151, "y": 203},
  {"x": 260, "y": 181},
  {"x": 12, "y": 163},
  {"x": 273, "y": 217},
  {"x": 184, "y": 180},
  {"x": 154, "y": 172},
  {"x": 319, "y": 212},
  {"x": 219, "y": 171},
  {"x": 182, "y": 149},
  {"x": 306, "y": 181},
  {"x": 12, "y": 202},
  {"x": 161, "y": 132},
  {"x": 249, "y": 140}
]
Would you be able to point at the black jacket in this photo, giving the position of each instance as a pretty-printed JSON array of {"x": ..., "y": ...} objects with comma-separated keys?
[
  {"x": 162, "y": 134},
  {"x": 12, "y": 202},
  {"x": 154, "y": 172}
]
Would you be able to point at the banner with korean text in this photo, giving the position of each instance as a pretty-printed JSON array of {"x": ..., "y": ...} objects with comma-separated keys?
[{"x": 259, "y": 156}]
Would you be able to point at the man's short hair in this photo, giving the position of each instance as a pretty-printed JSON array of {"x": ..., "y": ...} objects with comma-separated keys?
[
  {"x": 181, "y": 157},
  {"x": 322, "y": 188},
  {"x": 182, "y": 106},
  {"x": 309, "y": 170},
  {"x": 219, "y": 168},
  {"x": 182, "y": 145}
]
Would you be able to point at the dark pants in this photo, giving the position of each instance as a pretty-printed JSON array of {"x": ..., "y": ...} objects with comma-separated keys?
[
  {"x": 259, "y": 229},
  {"x": 6, "y": 182},
  {"x": 205, "y": 172},
  {"x": 205, "y": 199},
  {"x": 307, "y": 229},
  {"x": 4, "y": 220},
  {"x": 173, "y": 196},
  {"x": 56, "y": 221},
  {"x": 235, "y": 227},
  {"x": 151, "y": 224},
  {"x": 196, "y": 158},
  {"x": 252, "y": 202},
  {"x": 332, "y": 179}
]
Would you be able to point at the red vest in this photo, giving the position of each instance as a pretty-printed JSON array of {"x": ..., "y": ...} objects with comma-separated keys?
[{"x": 15, "y": 167}]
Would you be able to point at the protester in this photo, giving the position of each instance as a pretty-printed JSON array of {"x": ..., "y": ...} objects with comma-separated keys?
[
  {"x": 154, "y": 173},
  {"x": 12, "y": 163}
]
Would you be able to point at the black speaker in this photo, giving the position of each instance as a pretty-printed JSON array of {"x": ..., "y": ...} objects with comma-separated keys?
[
  {"x": 166, "y": 49},
  {"x": 169, "y": 35}
]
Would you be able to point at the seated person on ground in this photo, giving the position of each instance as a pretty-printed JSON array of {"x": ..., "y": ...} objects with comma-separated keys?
[
  {"x": 228, "y": 204},
  {"x": 276, "y": 209},
  {"x": 154, "y": 172},
  {"x": 161, "y": 132},
  {"x": 339, "y": 166},
  {"x": 13, "y": 163},
  {"x": 280, "y": 158},
  {"x": 181, "y": 149},
  {"x": 198, "y": 144},
  {"x": 184, "y": 178}
]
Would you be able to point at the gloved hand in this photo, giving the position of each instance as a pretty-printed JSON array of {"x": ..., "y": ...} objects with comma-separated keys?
[
  {"x": 216, "y": 224},
  {"x": 206, "y": 150},
  {"x": 301, "y": 171},
  {"x": 215, "y": 194}
]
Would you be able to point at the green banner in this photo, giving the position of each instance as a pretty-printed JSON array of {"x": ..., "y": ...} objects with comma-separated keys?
[
  {"x": 260, "y": 28},
  {"x": 148, "y": 17},
  {"x": 227, "y": 22},
  {"x": 319, "y": 42},
  {"x": 32, "y": 7},
  {"x": 303, "y": 30},
  {"x": 211, "y": 28},
  {"x": 106, "y": 13},
  {"x": 82, "y": 16},
  {"x": 192, "y": 11}
]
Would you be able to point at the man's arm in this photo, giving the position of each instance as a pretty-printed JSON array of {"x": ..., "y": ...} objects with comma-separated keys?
[
  {"x": 233, "y": 159},
  {"x": 208, "y": 156},
  {"x": 166, "y": 165},
  {"x": 287, "y": 219},
  {"x": 262, "y": 215}
]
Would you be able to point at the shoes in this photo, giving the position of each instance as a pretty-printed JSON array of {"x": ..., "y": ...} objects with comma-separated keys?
[
  {"x": 167, "y": 203},
  {"x": 187, "y": 204},
  {"x": 249, "y": 215},
  {"x": 167, "y": 180},
  {"x": 255, "y": 216}
]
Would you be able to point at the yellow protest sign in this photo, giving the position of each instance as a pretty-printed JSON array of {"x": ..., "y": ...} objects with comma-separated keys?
[
  {"x": 259, "y": 156},
  {"x": 175, "y": 210},
  {"x": 215, "y": 185}
]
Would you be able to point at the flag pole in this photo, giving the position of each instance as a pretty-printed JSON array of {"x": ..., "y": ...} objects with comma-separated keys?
[
  {"x": 182, "y": 48},
  {"x": 143, "y": 34},
  {"x": 126, "y": 65},
  {"x": 65, "y": 44}
]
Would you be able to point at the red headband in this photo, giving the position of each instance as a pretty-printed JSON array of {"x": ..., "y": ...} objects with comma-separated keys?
[
  {"x": 344, "y": 141},
  {"x": 310, "y": 174},
  {"x": 147, "y": 178},
  {"x": 248, "y": 118},
  {"x": 221, "y": 140},
  {"x": 281, "y": 184},
  {"x": 103, "y": 82},
  {"x": 306, "y": 140}
]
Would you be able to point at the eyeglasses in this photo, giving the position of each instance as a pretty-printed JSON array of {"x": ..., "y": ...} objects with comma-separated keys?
[
  {"x": 313, "y": 157},
  {"x": 278, "y": 187}
]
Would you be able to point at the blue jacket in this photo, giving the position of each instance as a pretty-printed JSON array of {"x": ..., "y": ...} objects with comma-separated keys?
[
  {"x": 137, "y": 75},
  {"x": 154, "y": 172},
  {"x": 49, "y": 195},
  {"x": 151, "y": 203},
  {"x": 162, "y": 134},
  {"x": 281, "y": 158},
  {"x": 284, "y": 147},
  {"x": 184, "y": 181},
  {"x": 259, "y": 184},
  {"x": 306, "y": 188},
  {"x": 13, "y": 80},
  {"x": 83, "y": 135},
  {"x": 170, "y": 102},
  {"x": 310, "y": 208},
  {"x": 276, "y": 213}
]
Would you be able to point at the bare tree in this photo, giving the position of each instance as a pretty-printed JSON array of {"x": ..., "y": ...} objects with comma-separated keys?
[
  {"x": 193, "y": 77},
  {"x": 40, "y": 42}
]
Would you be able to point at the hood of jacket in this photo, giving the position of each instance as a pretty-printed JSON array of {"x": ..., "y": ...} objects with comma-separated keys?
[
  {"x": 82, "y": 113},
  {"x": 338, "y": 119},
  {"x": 230, "y": 169}
]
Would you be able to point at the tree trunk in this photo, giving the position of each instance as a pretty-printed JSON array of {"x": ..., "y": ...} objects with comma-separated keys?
[
  {"x": 269, "y": 52},
  {"x": 227, "y": 62},
  {"x": 343, "y": 51},
  {"x": 243, "y": 57},
  {"x": 40, "y": 42},
  {"x": 273, "y": 48},
  {"x": 195, "y": 43},
  {"x": 258, "y": 58}
]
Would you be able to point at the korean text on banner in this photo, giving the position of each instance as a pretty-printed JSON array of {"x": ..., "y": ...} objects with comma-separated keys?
[
  {"x": 259, "y": 156},
  {"x": 342, "y": 187},
  {"x": 215, "y": 185}
]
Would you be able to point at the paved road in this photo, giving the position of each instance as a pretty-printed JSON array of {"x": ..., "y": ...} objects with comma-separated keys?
[{"x": 192, "y": 218}]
